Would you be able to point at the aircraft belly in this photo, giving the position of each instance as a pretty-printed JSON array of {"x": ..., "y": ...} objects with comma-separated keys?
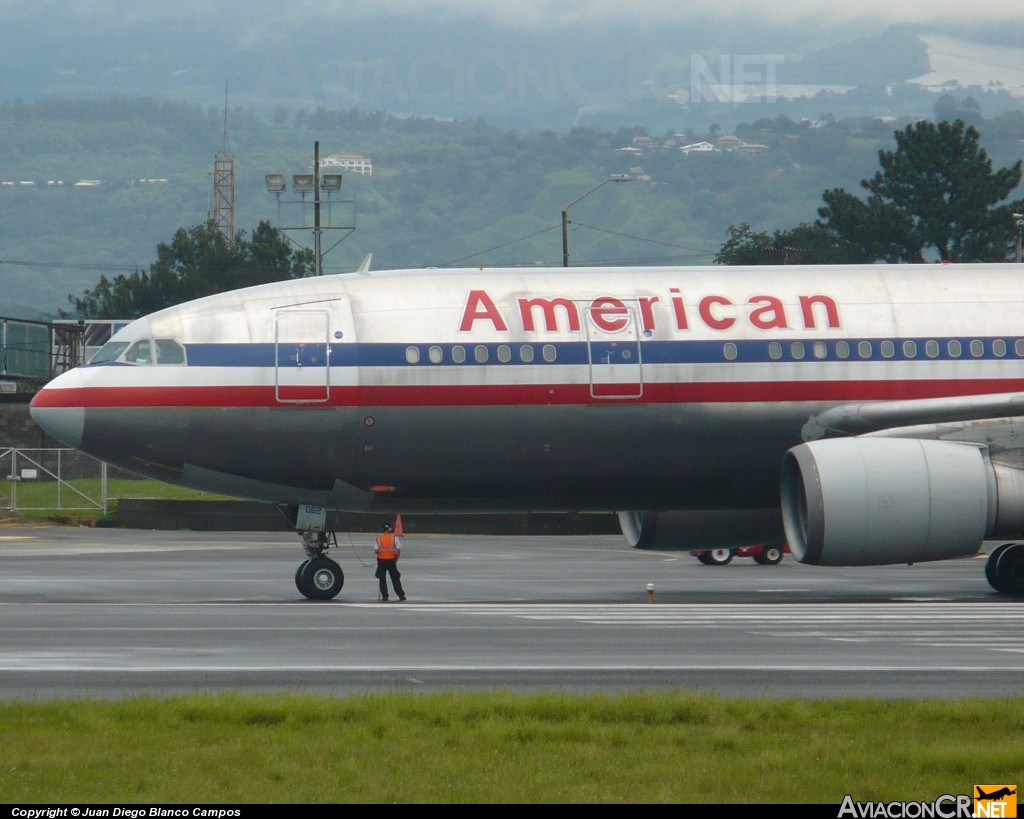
[{"x": 554, "y": 457}]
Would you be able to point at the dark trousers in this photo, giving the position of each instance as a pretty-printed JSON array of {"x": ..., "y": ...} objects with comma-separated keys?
[{"x": 385, "y": 568}]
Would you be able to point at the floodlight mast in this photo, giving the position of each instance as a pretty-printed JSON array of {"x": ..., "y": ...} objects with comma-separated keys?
[
  {"x": 303, "y": 183},
  {"x": 316, "y": 210}
]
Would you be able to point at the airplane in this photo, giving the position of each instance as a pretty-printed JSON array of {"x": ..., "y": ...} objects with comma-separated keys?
[
  {"x": 1001, "y": 793},
  {"x": 860, "y": 415}
]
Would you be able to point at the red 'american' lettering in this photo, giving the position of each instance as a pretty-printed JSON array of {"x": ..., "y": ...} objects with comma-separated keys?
[{"x": 612, "y": 313}]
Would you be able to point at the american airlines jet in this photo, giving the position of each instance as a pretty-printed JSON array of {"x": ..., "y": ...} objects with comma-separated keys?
[{"x": 864, "y": 415}]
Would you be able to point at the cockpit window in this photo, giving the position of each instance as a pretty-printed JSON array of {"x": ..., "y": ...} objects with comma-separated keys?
[
  {"x": 169, "y": 351},
  {"x": 109, "y": 352},
  {"x": 139, "y": 353}
]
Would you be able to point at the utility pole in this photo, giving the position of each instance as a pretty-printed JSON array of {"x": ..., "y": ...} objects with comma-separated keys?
[
  {"x": 1018, "y": 221},
  {"x": 615, "y": 177}
]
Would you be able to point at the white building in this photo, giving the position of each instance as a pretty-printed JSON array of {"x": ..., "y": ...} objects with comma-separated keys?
[{"x": 347, "y": 163}]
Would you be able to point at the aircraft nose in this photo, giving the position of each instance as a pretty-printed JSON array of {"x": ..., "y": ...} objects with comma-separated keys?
[{"x": 55, "y": 409}]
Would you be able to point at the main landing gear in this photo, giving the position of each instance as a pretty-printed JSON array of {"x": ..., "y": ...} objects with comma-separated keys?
[
  {"x": 1004, "y": 569},
  {"x": 763, "y": 555},
  {"x": 318, "y": 577}
]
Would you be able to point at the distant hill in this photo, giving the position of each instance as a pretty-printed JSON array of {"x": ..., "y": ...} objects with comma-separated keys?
[
  {"x": 437, "y": 66},
  {"x": 897, "y": 55},
  {"x": 459, "y": 193}
]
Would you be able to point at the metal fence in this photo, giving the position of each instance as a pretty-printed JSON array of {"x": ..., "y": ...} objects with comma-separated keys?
[{"x": 59, "y": 479}]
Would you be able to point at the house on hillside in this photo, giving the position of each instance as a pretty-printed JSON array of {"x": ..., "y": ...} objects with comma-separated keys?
[
  {"x": 750, "y": 148},
  {"x": 698, "y": 149},
  {"x": 347, "y": 163}
]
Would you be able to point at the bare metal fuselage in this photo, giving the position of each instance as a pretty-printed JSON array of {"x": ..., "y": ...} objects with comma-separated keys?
[{"x": 474, "y": 390}]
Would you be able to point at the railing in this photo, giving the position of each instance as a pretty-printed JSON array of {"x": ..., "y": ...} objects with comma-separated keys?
[{"x": 44, "y": 479}]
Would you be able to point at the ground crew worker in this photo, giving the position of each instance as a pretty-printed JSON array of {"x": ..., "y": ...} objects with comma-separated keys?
[{"x": 388, "y": 547}]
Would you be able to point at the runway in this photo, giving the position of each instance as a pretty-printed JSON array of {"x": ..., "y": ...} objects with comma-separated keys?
[{"x": 111, "y": 613}]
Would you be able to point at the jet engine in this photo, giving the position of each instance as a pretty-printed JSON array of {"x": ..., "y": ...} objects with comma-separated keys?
[
  {"x": 700, "y": 528},
  {"x": 875, "y": 501}
]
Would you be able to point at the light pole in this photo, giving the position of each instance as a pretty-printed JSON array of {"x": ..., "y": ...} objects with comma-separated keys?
[
  {"x": 615, "y": 177},
  {"x": 303, "y": 183}
]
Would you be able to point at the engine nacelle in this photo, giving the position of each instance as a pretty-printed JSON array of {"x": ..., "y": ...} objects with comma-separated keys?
[
  {"x": 701, "y": 529},
  {"x": 877, "y": 501}
]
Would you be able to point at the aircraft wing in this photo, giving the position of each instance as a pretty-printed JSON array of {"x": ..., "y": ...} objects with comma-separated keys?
[{"x": 995, "y": 420}]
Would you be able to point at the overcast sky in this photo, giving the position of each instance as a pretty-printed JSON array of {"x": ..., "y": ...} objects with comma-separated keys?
[{"x": 549, "y": 13}]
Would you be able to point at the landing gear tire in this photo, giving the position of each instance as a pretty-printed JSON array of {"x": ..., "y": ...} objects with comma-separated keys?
[
  {"x": 769, "y": 556},
  {"x": 298, "y": 575},
  {"x": 715, "y": 557},
  {"x": 320, "y": 578},
  {"x": 1005, "y": 569}
]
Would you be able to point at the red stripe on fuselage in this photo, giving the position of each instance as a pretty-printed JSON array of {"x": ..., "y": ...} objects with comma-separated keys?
[{"x": 528, "y": 395}]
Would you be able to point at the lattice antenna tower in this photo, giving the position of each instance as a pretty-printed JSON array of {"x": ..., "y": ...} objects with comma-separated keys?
[{"x": 223, "y": 210}]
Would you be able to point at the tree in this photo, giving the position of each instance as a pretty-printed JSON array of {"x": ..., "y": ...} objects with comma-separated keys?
[
  {"x": 745, "y": 247},
  {"x": 936, "y": 190},
  {"x": 807, "y": 243},
  {"x": 198, "y": 262},
  {"x": 869, "y": 231}
]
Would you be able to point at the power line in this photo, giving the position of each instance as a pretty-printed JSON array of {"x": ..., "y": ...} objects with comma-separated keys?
[
  {"x": 498, "y": 247},
  {"x": 695, "y": 253},
  {"x": 636, "y": 261},
  {"x": 697, "y": 250},
  {"x": 67, "y": 265}
]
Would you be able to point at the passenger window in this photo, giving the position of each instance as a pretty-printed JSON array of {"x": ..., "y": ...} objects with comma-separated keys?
[
  {"x": 548, "y": 352},
  {"x": 480, "y": 354},
  {"x": 458, "y": 354},
  {"x": 931, "y": 348},
  {"x": 977, "y": 348},
  {"x": 796, "y": 349},
  {"x": 729, "y": 351},
  {"x": 412, "y": 355},
  {"x": 526, "y": 353},
  {"x": 864, "y": 349},
  {"x": 910, "y": 349},
  {"x": 504, "y": 353},
  {"x": 435, "y": 354},
  {"x": 138, "y": 353},
  {"x": 169, "y": 351},
  {"x": 775, "y": 351},
  {"x": 843, "y": 349},
  {"x": 887, "y": 348},
  {"x": 819, "y": 349},
  {"x": 954, "y": 348},
  {"x": 998, "y": 347}
]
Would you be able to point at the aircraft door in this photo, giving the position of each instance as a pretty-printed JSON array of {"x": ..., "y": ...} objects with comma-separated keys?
[
  {"x": 302, "y": 352},
  {"x": 614, "y": 353}
]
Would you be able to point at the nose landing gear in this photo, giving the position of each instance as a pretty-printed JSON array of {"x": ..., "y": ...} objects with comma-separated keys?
[{"x": 319, "y": 577}]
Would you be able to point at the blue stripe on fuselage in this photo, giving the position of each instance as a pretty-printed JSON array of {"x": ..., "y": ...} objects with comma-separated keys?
[{"x": 576, "y": 352}]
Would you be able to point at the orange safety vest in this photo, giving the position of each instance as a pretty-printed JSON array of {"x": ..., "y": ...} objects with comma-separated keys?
[{"x": 386, "y": 546}]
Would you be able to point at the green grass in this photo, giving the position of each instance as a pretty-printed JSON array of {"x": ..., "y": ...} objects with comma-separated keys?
[
  {"x": 504, "y": 748},
  {"x": 38, "y": 500}
]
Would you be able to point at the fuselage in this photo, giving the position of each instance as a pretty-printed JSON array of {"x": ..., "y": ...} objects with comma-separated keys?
[{"x": 529, "y": 389}]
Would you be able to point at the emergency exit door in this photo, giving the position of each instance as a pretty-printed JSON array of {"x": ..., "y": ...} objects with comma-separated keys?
[
  {"x": 614, "y": 352},
  {"x": 302, "y": 352}
]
